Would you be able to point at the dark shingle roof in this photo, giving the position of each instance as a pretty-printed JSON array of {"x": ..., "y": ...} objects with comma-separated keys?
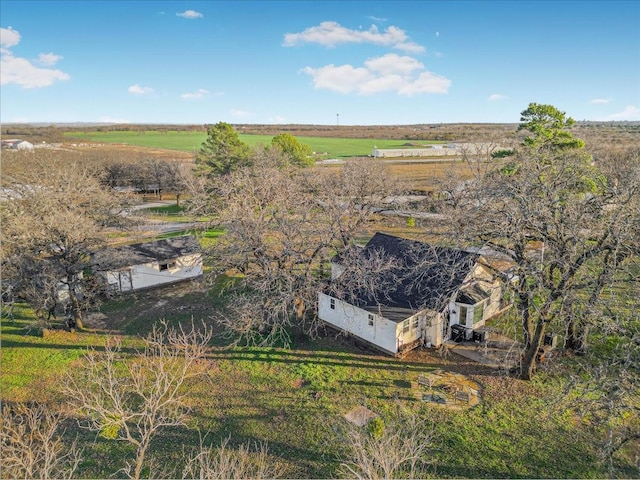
[
  {"x": 141, "y": 253},
  {"x": 424, "y": 276}
]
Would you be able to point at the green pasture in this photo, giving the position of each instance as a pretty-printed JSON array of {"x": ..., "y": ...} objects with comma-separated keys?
[
  {"x": 295, "y": 400},
  {"x": 191, "y": 141}
]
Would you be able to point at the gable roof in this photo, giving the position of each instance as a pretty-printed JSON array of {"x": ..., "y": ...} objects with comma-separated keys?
[
  {"x": 141, "y": 253},
  {"x": 422, "y": 276}
]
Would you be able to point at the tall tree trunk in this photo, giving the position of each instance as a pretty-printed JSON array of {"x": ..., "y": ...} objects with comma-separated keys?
[
  {"x": 529, "y": 356},
  {"x": 571, "y": 339},
  {"x": 142, "y": 450},
  {"x": 583, "y": 336}
]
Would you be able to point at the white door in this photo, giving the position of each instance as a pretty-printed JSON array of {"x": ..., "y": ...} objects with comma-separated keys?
[{"x": 126, "y": 283}]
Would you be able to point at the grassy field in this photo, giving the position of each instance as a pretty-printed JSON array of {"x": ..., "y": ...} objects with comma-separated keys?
[
  {"x": 191, "y": 141},
  {"x": 295, "y": 399}
]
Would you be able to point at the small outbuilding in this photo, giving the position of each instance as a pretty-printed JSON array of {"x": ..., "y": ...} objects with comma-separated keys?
[{"x": 146, "y": 265}]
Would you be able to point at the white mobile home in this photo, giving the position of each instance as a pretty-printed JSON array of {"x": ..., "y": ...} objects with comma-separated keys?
[{"x": 146, "y": 265}]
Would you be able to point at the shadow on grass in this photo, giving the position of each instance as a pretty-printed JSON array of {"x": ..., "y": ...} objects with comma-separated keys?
[{"x": 319, "y": 358}]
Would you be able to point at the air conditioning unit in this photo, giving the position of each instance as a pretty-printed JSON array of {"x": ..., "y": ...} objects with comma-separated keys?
[
  {"x": 479, "y": 336},
  {"x": 458, "y": 333}
]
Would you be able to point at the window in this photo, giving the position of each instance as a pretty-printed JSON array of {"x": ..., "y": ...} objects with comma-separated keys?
[
  {"x": 478, "y": 312},
  {"x": 463, "y": 315},
  {"x": 167, "y": 266},
  {"x": 414, "y": 323},
  {"x": 332, "y": 304},
  {"x": 370, "y": 317},
  {"x": 405, "y": 326}
]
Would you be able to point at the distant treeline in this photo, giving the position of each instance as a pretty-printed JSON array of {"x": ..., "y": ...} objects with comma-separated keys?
[{"x": 443, "y": 132}]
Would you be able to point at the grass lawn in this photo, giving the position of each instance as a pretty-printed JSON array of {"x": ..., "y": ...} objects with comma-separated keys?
[{"x": 293, "y": 399}]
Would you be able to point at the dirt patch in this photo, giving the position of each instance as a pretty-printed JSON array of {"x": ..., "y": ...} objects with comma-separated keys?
[
  {"x": 448, "y": 389},
  {"x": 360, "y": 416},
  {"x": 184, "y": 298}
]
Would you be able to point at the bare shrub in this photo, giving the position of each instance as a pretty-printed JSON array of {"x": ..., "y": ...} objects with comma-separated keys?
[
  {"x": 400, "y": 451},
  {"x": 247, "y": 461},
  {"x": 32, "y": 445},
  {"x": 133, "y": 399}
]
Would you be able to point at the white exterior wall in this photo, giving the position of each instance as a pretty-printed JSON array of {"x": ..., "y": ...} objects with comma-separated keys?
[
  {"x": 383, "y": 333},
  {"x": 433, "y": 325},
  {"x": 413, "y": 152},
  {"x": 491, "y": 307},
  {"x": 150, "y": 275}
]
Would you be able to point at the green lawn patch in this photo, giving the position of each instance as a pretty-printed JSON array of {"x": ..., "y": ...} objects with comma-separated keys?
[{"x": 294, "y": 399}]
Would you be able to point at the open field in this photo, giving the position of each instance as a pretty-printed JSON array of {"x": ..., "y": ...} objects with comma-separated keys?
[
  {"x": 188, "y": 141},
  {"x": 293, "y": 399}
]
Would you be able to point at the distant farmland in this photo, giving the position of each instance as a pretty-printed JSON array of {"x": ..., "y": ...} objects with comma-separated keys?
[{"x": 191, "y": 141}]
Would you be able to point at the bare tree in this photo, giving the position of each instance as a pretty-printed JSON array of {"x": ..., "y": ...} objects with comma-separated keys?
[
  {"x": 57, "y": 215},
  {"x": 568, "y": 231},
  {"x": 133, "y": 399},
  {"x": 282, "y": 226},
  {"x": 32, "y": 445},
  {"x": 401, "y": 450},
  {"x": 606, "y": 389},
  {"x": 225, "y": 462}
]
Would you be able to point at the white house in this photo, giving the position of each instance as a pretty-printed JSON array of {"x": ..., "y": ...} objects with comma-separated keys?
[
  {"x": 423, "y": 291},
  {"x": 16, "y": 144},
  {"x": 146, "y": 265}
]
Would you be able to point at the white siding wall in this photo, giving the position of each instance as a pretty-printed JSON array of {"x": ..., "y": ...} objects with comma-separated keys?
[
  {"x": 433, "y": 325},
  {"x": 150, "y": 275},
  {"x": 383, "y": 333}
]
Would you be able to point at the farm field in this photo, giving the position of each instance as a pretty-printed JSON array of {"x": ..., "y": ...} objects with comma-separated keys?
[{"x": 191, "y": 141}]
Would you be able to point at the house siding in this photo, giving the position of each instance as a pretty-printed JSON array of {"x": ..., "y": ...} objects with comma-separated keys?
[
  {"x": 149, "y": 274},
  {"x": 348, "y": 318}
]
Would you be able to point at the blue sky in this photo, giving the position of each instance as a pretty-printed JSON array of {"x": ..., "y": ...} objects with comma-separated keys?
[{"x": 323, "y": 62}]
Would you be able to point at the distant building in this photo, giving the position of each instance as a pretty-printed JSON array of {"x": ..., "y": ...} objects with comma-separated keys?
[
  {"x": 17, "y": 144},
  {"x": 436, "y": 150}
]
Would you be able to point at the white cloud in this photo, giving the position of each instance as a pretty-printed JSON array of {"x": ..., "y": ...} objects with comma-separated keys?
[
  {"x": 9, "y": 37},
  {"x": 377, "y": 19},
  {"x": 601, "y": 101},
  {"x": 190, "y": 14},
  {"x": 331, "y": 34},
  {"x": 113, "y": 120},
  {"x": 392, "y": 63},
  {"x": 277, "y": 119},
  {"x": 496, "y": 97},
  {"x": 389, "y": 73},
  {"x": 631, "y": 112},
  {"x": 201, "y": 92},
  {"x": 240, "y": 113},
  {"x": 21, "y": 71},
  {"x": 48, "y": 59},
  {"x": 138, "y": 90}
]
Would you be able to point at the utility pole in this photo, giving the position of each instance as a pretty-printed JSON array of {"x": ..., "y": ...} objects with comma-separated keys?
[{"x": 338, "y": 119}]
